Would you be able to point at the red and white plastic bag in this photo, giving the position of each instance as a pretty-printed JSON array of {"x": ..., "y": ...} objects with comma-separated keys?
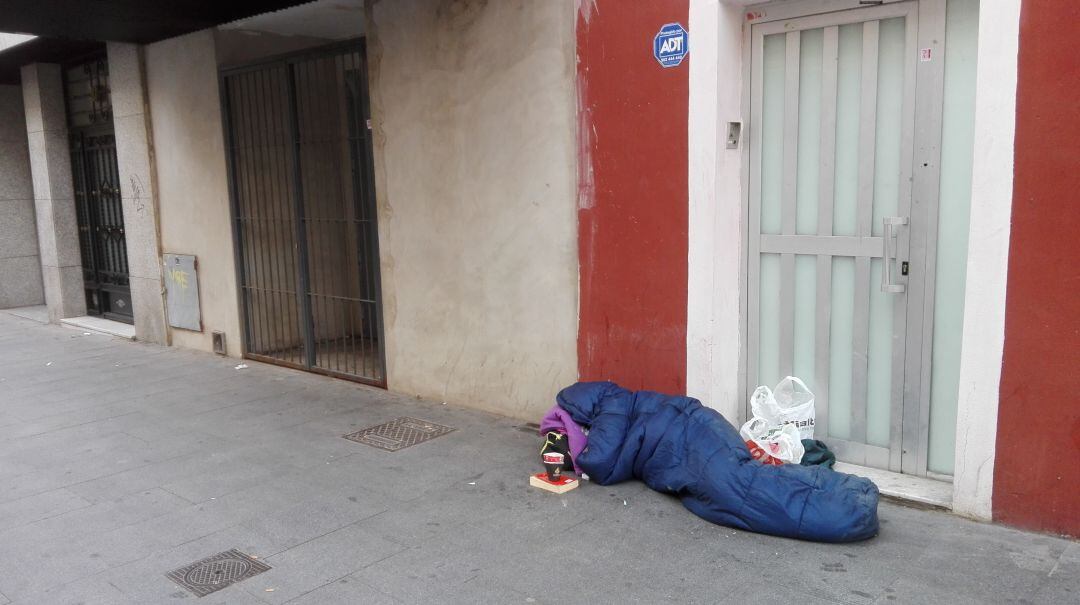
[
  {"x": 772, "y": 444},
  {"x": 790, "y": 403},
  {"x": 782, "y": 418}
]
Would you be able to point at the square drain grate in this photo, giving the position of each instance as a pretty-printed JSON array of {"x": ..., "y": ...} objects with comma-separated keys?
[
  {"x": 214, "y": 573},
  {"x": 399, "y": 433}
]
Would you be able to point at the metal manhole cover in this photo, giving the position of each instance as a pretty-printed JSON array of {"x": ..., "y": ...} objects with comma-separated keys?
[
  {"x": 214, "y": 573},
  {"x": 399, "y": 433}
]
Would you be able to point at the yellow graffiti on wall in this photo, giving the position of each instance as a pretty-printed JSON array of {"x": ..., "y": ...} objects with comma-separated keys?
[{"x": 179, "y": 277}]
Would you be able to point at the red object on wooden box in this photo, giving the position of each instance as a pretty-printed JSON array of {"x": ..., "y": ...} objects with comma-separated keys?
[{"x": 563, "y": 480}]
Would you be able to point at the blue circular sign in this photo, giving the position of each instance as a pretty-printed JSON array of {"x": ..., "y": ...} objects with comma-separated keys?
[{"x": 671, "y": 45}]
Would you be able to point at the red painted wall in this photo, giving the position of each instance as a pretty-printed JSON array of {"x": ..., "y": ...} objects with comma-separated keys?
[
  {"x": 633, "y": 197},
  {"x": 1037, "y": 463}
]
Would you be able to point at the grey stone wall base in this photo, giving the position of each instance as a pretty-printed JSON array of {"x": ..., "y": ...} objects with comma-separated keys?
[
  {"x": 149, "y": 310},
  {"x": 20, "y": 282},
  {"x": 64, "y": 294},
  {"x": 20, "y": 262}
]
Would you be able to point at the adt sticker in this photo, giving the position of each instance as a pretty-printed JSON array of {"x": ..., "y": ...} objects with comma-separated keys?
[{"x": 670, "y": 45}]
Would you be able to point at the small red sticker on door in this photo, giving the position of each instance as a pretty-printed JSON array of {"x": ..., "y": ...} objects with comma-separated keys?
[{"x": 924, "y": 54}]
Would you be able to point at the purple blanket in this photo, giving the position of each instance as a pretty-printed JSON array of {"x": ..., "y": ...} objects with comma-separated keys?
[{"x": 558, "y": 419}]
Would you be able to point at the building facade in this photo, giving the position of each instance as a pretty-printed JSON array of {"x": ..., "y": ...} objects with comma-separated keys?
[{"x": 481, "y": 203}]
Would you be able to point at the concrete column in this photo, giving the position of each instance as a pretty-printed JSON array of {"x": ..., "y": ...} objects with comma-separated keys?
[
  {"x": 20, "y": 263},
  {"x": 134, "y": 154},
  {"x": 54, "y": 198}
]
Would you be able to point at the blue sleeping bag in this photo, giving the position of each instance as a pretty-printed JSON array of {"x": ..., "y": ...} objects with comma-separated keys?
[{"x": 678, "y": 446}]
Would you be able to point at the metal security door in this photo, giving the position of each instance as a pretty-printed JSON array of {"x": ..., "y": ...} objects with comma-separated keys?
[
  {"x": 834, "y": 243},
  {"x": 96, "y": 185},
  {"x": 304, "y": 212}
]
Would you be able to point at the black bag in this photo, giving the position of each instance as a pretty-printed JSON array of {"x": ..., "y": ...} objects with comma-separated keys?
[{"x": 556, "y": 442}]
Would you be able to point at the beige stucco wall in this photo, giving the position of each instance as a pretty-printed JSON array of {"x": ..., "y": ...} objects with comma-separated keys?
[
  {"x": 473, "y": 110},
  {"x": 193, "y": 193}
]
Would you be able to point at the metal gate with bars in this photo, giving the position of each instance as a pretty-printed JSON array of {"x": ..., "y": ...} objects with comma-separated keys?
[
  {"x": 96, "y": 185},
  {"x": 303, "y": 204}
]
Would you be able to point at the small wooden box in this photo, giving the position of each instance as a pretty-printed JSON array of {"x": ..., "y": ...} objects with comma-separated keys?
[{"x": 563, "y": 485}]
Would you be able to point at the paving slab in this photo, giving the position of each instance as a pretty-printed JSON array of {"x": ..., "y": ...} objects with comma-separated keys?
[
  {"x": 348, "y": 591},
  {"x": 121, "y": 461},
  {"x": 319, "y": 561},
  {"x": 37, "y": 507},
  {"x": 37, "y": 313}
]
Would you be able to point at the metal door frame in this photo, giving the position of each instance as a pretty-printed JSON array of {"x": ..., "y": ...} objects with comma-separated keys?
[
  {"x": 289, "y": 60},
  {"x": 922, "y": 241}
]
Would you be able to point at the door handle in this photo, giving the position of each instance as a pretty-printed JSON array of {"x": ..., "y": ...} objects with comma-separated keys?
[{"x": 889, "y": 253}]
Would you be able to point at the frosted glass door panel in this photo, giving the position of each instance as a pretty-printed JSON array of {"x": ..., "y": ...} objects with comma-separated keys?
[
  {"x": 769, "y": 335},
  {"x": 889, "y": 117},
  {"x": 954, "y": 208},
  {"x": 848, "y": 90},
  {"x": 840, "y": 350},
  {"x": 772, "y": 137},
  {"x": 811, "y": 48}
]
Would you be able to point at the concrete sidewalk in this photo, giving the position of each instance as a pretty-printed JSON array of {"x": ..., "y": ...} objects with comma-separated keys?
[{"x": 120, "y": 462}]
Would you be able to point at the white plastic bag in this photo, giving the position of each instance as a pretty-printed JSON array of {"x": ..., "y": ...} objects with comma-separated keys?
[
  {"x": 776, "y": 444},
  {"x": 791, "y": 403}
]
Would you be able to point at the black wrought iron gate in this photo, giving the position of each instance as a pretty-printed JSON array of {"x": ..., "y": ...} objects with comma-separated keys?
[
  {"x": 303, "y": 203},
  {"x": 96, "y": 184}
]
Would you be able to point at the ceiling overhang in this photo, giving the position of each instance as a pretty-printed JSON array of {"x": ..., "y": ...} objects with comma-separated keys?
[
  {"x": 68, "y": 29},
  {"x": 138, "y": 21},
  {"x": 43, "y": 50}
]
